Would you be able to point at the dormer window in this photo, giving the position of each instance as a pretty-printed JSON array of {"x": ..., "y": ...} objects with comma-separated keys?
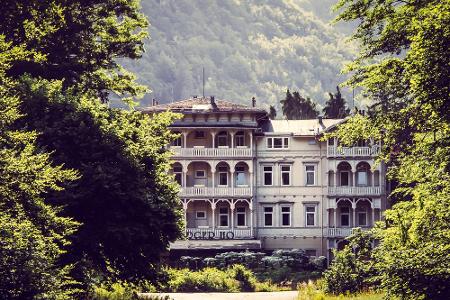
[{"x": 277, "y": 142}]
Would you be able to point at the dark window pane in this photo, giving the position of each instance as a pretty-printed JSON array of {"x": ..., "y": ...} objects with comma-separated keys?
[
  {"x": 241, "y": 219},
  {"x": 286, "y": 220},
  {"x": 268, "y": 220},
  {"x": 310, "y": 220}
]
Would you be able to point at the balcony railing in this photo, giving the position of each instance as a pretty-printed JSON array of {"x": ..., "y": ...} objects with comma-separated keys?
[
  {"x": 211, "y": 152},
  {"x": 218, "y": 234},
  {"x": 334, "y": 151},
  {"x": 354, "y": 190},
  {"x": 342, "y": 231},
  {"x": 215, "y": 191}
]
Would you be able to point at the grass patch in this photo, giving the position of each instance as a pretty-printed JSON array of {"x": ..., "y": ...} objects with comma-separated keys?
[{"x": 312, "y": 291}]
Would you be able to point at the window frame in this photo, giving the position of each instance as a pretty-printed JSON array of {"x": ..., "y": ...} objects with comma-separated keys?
[
  {"x": 268, "y": 213},
  {"x": 358, "y": 213},
  {"x": 270, "y": 143},
  {"x": 315, "y": 214},
  {"x": 200, "y": 218},
  {"x": 200, "y": 177},
  {"x": 314, "y": 174},
  {"x": 264, "y": 174},
  {"x": 282, "y": 213},
  {"x": 366, "y": 178},
  {"x": 239, "y": 137},
  {"x": 344, "y": 214},
  {"x": 178, "y": 173},
  {"x": 283, "y": 172},
  {"x": 244, "y": 213},
  {"x": 348, "y": 177},
  {"x": 237, "y": 176},
  {"x": 223, "y": 214}
]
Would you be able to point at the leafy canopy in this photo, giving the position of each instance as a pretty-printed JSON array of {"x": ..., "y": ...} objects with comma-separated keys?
[
  {"x": 296, "y": 107},
  {"x": 403, "y": 67}
]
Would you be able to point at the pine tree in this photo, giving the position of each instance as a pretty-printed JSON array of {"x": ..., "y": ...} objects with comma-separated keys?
[
  {"x": 335, "y": 107},
  {"x": 272, "y": 112},
  {"x": 296, "y": 107}
]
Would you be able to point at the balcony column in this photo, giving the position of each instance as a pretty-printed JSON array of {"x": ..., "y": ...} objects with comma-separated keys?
[
  {"x": 250, "y": 205},
  {"x": 354, "y": 213},
  {"x": 232, "y": 138},
  {"x": 372, "y": 208},
  {"x": 185, "y": 205},
  {"x": 213, "y": 210},
  {"x": 335, "y": 178},
  {"x": 335, "y": 216},
  {"x": 213, "y": 135},
  {"x": 232, "y": 215},
  {"x": 373, "y": 178},
  {"x": 213, "y": 177},
  {"x": 184, "y": 174},
  {"x": 185, "y": 134}
]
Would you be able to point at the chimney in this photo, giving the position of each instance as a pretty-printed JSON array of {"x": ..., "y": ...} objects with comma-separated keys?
[
  {"x": 320, "y": 119},
  {"x": 156, "y": 102},
  {"x": 253, "y": 102},
  {"x": 153, "y": 102},
  {"x": 212, "y": 100}
]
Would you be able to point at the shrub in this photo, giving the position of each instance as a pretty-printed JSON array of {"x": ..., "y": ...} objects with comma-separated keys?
[
  {"x": 206, "y": 280},
  {"x": 115, "y": 291},
  {"x": 247, "y": 280}
]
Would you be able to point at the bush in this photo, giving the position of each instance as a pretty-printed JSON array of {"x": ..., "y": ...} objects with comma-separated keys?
[
  {"x": 115, "y": 291},
  {"x": 247, "y": 280},
  {"x": 206, "y": 280}
]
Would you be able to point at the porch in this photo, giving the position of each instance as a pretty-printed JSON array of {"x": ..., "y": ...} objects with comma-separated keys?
[{"x": 218, "y": 219}]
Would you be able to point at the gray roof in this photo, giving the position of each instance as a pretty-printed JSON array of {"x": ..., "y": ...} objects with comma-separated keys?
[{"x": 299, "y": 127}]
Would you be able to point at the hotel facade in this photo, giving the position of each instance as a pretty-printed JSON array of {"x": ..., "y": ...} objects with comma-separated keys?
[{"x": 248, "y": 182}]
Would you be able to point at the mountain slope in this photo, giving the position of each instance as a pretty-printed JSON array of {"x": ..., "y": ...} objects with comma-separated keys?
[{"x": 248, "y": 48}]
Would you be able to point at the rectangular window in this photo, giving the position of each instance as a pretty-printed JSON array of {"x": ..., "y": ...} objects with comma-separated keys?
[
  {"x": 178, "y": 171},
  {"x": 310, "y": 174},
  {"x": 241, "y": 216},
  {"x": 200, "y": 214},
  {"x": 223, "y": 217},
  {"x": 345, "y": 178},
  {"x": 311, "y": 252},
  {"x": 240, "y": 140},
  {"x": 361, "y": 178},
  {"x": 277, "y": 143},
  {"x": 285, "y": 175},
  {"x": 223, "y": 176},
  {"x": 200, "y": 174},
  {"x": 362, "y": 218},
  {"x": 285, "y": 216},
  {"x": 240, "y": 176},
  {"x": 222, "y": 140},
  {"x": 177, "y": 142},
  {"x": 268, "y": 216},
  {"x": 345, "y": 216},
  {"x": 199, "y": 134},
  {"x": 268, "y": 175},
  {"x": 310, "y": 215}
]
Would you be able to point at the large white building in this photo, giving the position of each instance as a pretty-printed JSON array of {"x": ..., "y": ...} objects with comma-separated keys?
[{"x": 249, "y": 182}]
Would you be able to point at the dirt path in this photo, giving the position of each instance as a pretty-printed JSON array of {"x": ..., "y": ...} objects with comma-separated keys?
[{"x": 291, "y": 295}]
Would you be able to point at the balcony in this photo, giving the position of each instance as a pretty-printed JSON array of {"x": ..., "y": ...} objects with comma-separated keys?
[
  {"x": 342, "y": 231},
  {"x": 218, "y": 234},
  {"x": 203, "y": 191},
  {"x": 333, "y": 151},
  {"x": 354, "y": 190},
  {"x": 211, "y": 152}
]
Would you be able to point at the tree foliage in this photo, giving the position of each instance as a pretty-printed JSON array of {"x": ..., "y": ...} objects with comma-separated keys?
[
  {"x": 33, "y": 234},
  {"x": 80, "y": 41},
  {"x": 335, "y": 107},
  {"x": 125, "y": 199},
  {"x": 296, "y": 107},
  {"x": 404, "y": 68}
]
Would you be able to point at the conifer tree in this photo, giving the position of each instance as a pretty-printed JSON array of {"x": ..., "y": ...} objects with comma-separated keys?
[{"x": 335, "y": 107}]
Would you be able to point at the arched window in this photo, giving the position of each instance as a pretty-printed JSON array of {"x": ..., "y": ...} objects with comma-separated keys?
[{"x": 362, "y": 174}]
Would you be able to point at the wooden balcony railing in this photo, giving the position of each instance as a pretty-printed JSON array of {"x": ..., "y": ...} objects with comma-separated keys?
[
  {"x": 354, "y": 190},
  {"x": 333, "y": 151},
  {"x": 211, "y": 152},
  {"x": 342, "y": 231},
  {"x": 215, "y": 191}
]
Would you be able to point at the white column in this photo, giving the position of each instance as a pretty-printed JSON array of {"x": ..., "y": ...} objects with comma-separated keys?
[
  {"x": 232, "y": 179},
  {"x": 251, "y": 142},
  {"x": 354, "y": 214},
  {"x": 213, "y": 209},
  {"x": 373, "y": 178},
  {"x": 251, "y": 182},
  {"x": 213, "y": 134},
  {"x": 251, "y": 217},
  {"x": 373, "y": 213},
  {"x": 185, "y": 205},
  {"x": 232, "y": 216},
  {"x": 354, "y": 178},
  {"x": 335, "y": 216},
  {"x": 213, "y": 177},
  {"x": 232, "y": 138},
  {"x": 335, "y": 177},
  {"x": 185, "y": 134}
]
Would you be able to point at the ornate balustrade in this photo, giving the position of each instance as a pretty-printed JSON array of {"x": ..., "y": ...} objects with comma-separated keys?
[
  {"x": 333, "y": 151},
  {"x": 218, "y": 233},
  {"x": 211, "y": 152},
  {"x": 215, "y": 191},
  {"x": 354, "y": 190}
]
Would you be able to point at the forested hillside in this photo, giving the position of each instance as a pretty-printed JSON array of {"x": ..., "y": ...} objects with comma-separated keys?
[{"x": 248, "y": 48}]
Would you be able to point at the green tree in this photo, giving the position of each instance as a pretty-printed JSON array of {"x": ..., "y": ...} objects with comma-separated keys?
[
  {"x": 33, "y": 234},
  {"x": 335, "y": 107},
  {"x": 125, "y": 199},
  {"x": 296, "y": 107},
  {"x": 410, "y": 115},
  {"x": 80, "y": 40}
]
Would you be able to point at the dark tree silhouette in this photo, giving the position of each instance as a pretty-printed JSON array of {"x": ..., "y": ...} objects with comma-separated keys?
[{"x": 335, "y": 107}]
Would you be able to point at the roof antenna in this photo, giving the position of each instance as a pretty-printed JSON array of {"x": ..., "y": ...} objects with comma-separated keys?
[{"x": 203, "y": 74}]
